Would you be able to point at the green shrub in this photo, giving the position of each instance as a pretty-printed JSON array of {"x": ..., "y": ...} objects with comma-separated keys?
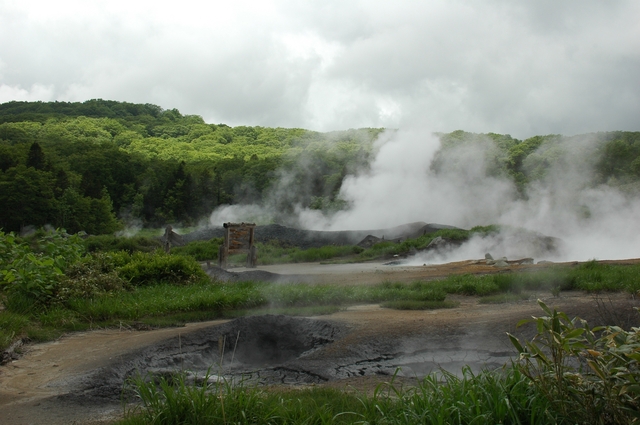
[
  {"x": 200, "y": 250},
  {"x": 153, "y": 268},
  {"x": 106, "y": 243},
  {"x": 95, "y": 275},
  {"x": 485, "y": 230}
]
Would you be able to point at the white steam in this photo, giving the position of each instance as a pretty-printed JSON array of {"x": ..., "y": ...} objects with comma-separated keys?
[
  {"x": 402, "y": 186},
  {"x": 240, "y": 213}
]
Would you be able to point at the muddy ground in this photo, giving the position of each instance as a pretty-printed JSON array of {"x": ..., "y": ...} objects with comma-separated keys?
[{"x": 78, "y": 378}]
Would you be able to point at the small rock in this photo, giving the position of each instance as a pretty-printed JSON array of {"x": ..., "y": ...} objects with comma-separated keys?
[
  {"x": 488, "y": 256},
  {"x": 525, "y": 261},
  {"x": 501, "y": 263}
]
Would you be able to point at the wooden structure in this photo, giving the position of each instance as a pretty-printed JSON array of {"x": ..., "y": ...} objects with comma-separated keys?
[
  {"x": 238, "y": 239},
  {"x": 171, "y": 238}
]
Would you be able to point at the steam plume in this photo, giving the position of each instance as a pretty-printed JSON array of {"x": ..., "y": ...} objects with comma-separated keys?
[{"x": 412, "y": 179}]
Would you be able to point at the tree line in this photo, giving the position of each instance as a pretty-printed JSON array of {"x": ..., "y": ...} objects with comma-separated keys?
[
  {"x": 89, "y": 166},
  {"x": 93, "y": 165}
]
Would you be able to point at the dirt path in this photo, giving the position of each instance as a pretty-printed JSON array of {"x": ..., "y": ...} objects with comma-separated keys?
[{"x": 42, "y": 386}]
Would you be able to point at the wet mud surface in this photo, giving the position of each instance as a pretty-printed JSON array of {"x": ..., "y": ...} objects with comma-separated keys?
[{"x": 79, "y": 378}]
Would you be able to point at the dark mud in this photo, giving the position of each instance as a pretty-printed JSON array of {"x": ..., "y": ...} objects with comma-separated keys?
[
  {"x": 277, "y": 349},
  {"x": 270, "y": 349}
]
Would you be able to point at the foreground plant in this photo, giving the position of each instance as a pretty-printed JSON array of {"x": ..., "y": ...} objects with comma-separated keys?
[
  {"x": 29, "y": 272},
  {"x": 591, "y": 375},
  {"x": 441, "y": 398}
]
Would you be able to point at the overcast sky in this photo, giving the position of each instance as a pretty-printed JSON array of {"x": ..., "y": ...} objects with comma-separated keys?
[{"x": 516, "y": 67}]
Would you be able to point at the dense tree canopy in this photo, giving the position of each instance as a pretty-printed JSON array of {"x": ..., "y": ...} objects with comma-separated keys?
[{"x": 92, "y": 165}]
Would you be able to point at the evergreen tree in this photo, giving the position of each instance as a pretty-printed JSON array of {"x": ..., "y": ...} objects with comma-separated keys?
[{"x": 36, "y": 158}]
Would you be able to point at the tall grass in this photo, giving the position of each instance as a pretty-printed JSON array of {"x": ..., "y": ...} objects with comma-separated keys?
[
  {"x": 589, "y": 277},
  {"x": 201, "y": 299},
  {"x": 443, "y": 398},
  {"x": 175, "y": 401},
  {"x": 164, "y": 299},
  {"x": 11, "y": 325}
]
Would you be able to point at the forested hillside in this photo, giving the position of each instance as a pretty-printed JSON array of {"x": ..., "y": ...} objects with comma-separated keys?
[
  {"x": 94, "y": 165},
  {"x": 84, "y": 166}
]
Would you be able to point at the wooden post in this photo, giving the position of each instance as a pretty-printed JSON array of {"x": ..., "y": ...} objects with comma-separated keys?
[
  {"x": 238, "y": 239},
  {"x": 170, "y": 239}
]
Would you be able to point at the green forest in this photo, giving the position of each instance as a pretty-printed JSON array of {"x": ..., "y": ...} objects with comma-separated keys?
[{"x": 94, "y": 166}]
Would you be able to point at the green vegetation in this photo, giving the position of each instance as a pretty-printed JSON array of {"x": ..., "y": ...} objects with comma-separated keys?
[
  {"x": 50, "y": 286},
  {"x": 567, "y": 373},
  {"x": 440, "y": 398},
  {"x": 387, "y": 249},
  {"x": 96, "y": 165},
  {"x": 274, "y": 252},
  {"x": 89, "y": 166},
  {"x": 104, "y": 243},
  {"x": 201, "y": 250},
  {"x": 589, "y": 375}
]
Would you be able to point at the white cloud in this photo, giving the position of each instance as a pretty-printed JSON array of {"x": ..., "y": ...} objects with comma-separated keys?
[
  {"x": 34, "y": 93},
  {"x": 521, "y": 68}
]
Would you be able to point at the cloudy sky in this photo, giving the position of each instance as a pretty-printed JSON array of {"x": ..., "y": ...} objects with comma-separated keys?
[{"x": 521, "y": 68}]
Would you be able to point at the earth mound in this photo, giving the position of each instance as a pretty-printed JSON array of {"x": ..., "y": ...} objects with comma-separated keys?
[
  {"x": 314, "y": 238},
  {"x": 259, "y": 349}
]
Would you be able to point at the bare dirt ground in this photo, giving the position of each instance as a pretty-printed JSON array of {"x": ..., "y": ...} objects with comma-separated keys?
[{"x": 60, "y": 382}]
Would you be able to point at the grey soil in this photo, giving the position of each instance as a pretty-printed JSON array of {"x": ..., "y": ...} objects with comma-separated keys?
[{"x": 78, "y": 379}]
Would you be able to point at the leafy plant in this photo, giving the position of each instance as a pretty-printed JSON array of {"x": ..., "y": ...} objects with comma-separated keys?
[
  {"x": 589, "y": 375},
  {"x": 32, "y": 271}
]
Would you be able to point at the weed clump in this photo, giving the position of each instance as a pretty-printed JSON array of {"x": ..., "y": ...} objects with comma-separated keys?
[{"x": 147, "y": 269}]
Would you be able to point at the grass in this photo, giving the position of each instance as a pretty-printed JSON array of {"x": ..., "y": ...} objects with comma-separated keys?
[
  {"x": 504, "y": 396},
  {"x": 200, "y": 250},
  {"x": 590, "y": 277},
  {"x": 277, "y": 252},
  {"x": 168, "y": 304},
  {"x": 442, "y": 398}
]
